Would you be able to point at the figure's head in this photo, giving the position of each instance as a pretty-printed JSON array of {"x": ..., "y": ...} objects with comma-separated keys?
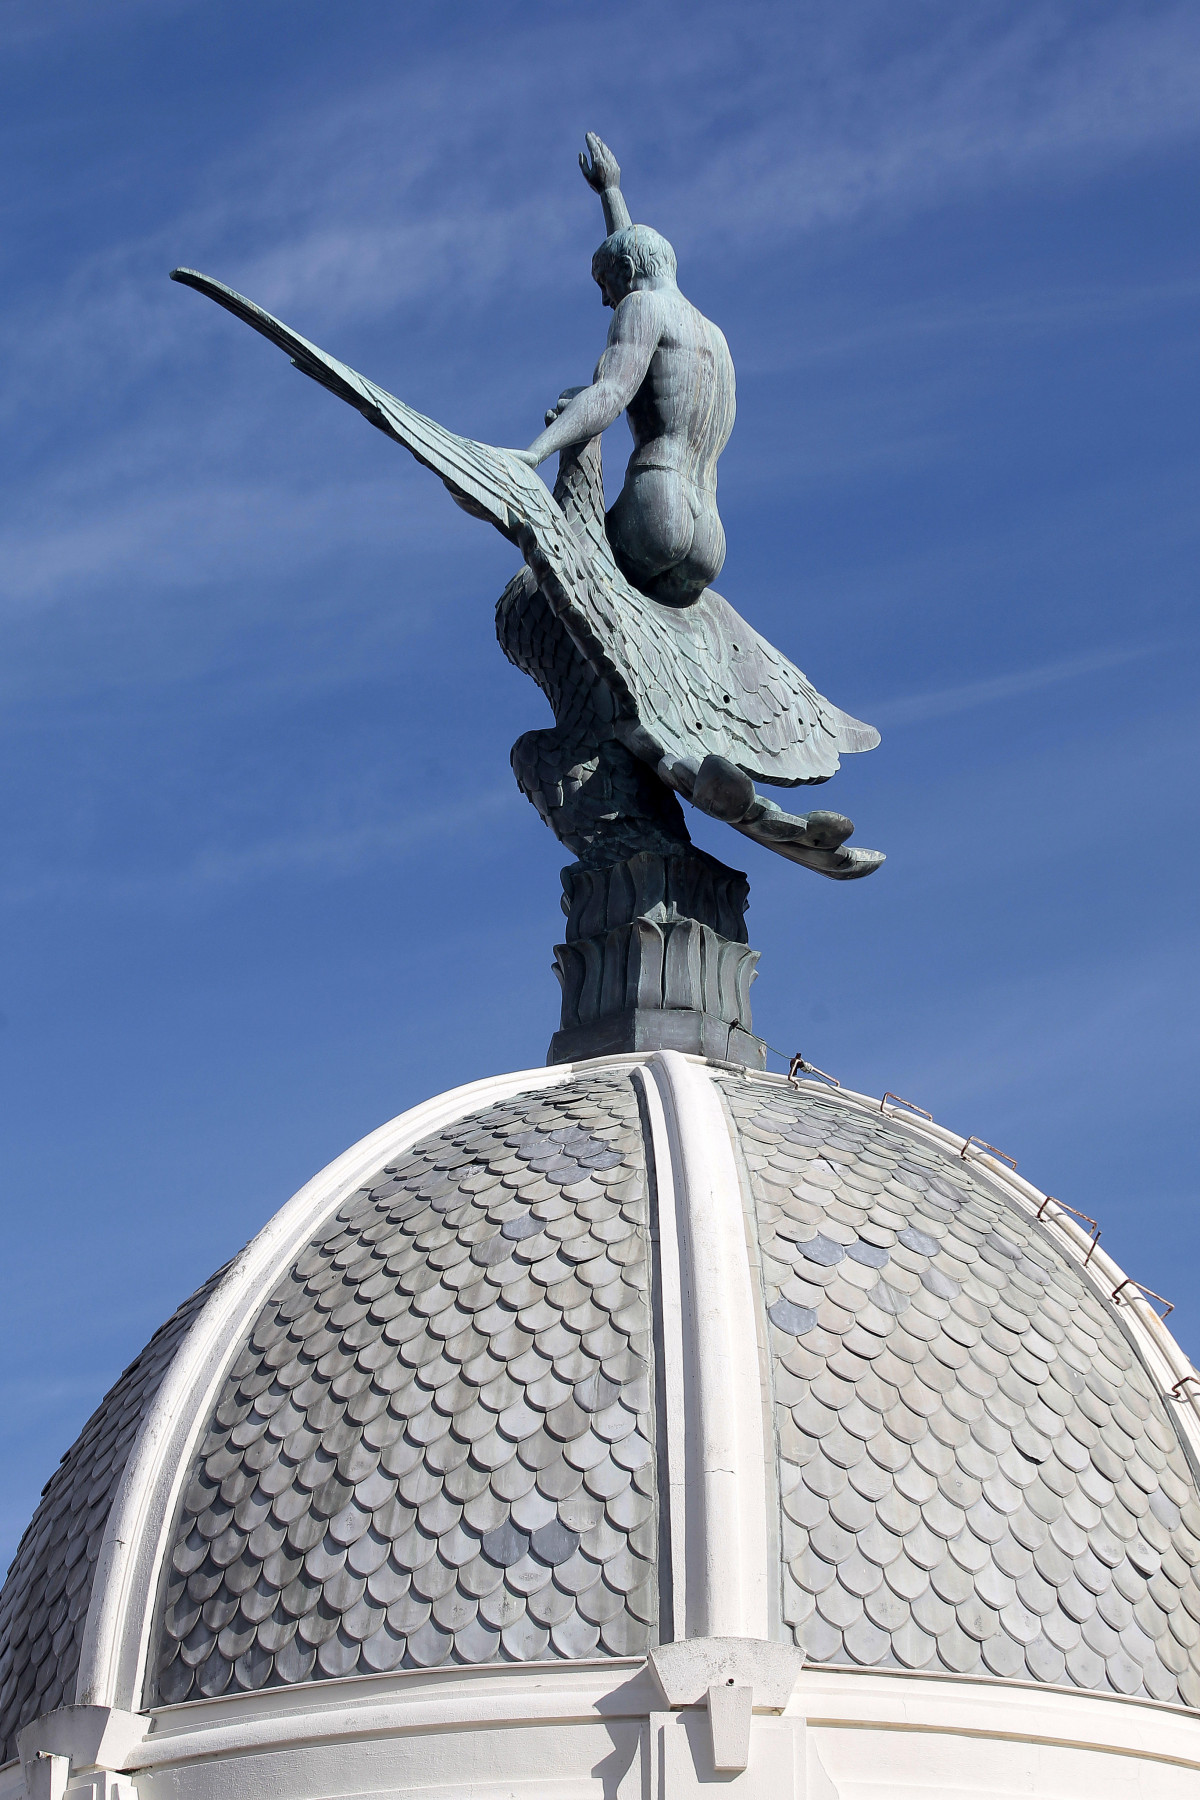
[{"x": 635, "y": 257}]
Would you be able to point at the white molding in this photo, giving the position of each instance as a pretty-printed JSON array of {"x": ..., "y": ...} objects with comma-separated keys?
[
  {"x": 844, "y": 1699},
  {"x": 726, "y": 1548},
  {"x": 116, "y": 1637},
  {"x": 668, "y": 1345},
  {"x": 413, "y": 1700},
  {"x": 834, "y": 1702}
]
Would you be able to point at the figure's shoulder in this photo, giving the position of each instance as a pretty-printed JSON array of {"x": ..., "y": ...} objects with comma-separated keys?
[
  {"x": 699, "y": 326},
  {"x": 640, "y": 314},
  {"x": 639, "y": 302},
  {"x": 707, "y": 327}
]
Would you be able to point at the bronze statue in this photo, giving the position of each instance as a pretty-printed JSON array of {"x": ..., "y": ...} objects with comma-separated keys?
[
  {"x": 659, "y": 688},
  {"x": 671, "y": 368}
]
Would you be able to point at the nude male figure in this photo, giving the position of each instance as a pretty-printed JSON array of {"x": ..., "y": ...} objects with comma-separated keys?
[{"x": 669, "y": 367}]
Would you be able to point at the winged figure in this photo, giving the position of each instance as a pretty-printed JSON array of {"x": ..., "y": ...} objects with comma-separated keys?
[{"x": 658, "y": 687}]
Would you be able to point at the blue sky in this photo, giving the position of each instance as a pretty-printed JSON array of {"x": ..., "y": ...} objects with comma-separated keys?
[{"x": 266, "y": 878}]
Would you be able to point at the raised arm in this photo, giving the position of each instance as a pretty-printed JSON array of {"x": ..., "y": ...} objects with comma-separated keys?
[
  {"x": 604, "y": 174},
  {"x": 632, "y": 341}
]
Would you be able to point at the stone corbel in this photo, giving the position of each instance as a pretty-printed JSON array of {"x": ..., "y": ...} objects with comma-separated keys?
[
  {"x": 729, "y": 1679},
  {"x": 79, "y": 1750}
]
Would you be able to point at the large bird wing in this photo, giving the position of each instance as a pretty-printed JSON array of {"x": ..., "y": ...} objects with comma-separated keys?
[
  {"x": 703, "y": 679},
  {"x": 698, "y": 678},
  {"x": 488, "y": 481},
  {"x": 703, "y": 675}
]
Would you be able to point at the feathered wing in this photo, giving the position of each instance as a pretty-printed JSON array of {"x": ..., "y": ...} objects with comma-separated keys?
[
  {"x": 708, "y": 678},
  {"x": 704, "y": 681},
  {"x": 698, "y": 679},
  {"x": 490, "y": 483}
]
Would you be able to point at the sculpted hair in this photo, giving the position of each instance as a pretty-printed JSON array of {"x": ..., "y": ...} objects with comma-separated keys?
[{"x": 649, "y": 252}]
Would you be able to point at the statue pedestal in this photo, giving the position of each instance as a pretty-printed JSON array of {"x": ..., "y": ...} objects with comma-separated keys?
[{"x": 656, "y": 958}]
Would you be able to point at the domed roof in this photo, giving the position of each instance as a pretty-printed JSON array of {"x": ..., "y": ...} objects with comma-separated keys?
[
  {"x": 437, "y": 1444},
  {"x": 501, "y": 1386},
  {"x": 44, "y": 1604}
]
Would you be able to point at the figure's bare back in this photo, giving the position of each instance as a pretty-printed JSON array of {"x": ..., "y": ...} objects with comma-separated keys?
[{"x": 683, "y": 412}]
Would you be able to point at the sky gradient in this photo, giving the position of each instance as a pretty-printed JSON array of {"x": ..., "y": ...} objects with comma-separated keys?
[{"x": 267, "y": 879}]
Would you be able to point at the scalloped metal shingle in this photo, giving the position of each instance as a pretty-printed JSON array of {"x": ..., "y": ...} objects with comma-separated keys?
[
  {"x": 437, "y": 1445},
  {"x": 49, "y": 1583},
  {"x": 977, "y": 1472}
]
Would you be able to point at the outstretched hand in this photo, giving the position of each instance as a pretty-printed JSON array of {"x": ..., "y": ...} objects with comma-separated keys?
[
  {"x": 604, "y": 171},
  {"x": 561, "y": 404}
]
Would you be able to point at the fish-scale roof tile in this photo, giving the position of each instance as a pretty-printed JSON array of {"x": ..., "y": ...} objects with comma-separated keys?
[
  {"x": 436, "y": 1442},
  {"x": 40, "y": 1639},
  {"x": 452, "y": 1382},
  {"x": 1028, "y": 1486}
]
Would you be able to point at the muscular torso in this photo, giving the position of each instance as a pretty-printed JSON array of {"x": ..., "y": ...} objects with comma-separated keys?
[{"x": 683, "y": 412}]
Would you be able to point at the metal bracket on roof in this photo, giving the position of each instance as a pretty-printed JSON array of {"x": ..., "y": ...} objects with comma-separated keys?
[
  {"x": 989, "y": 1148},
  {"x": 799, "y": 1066},
  {"x": 901, "y": 1101},
  {"x": 1177, "y": 1392},
  {"x": 1146, "y": 1294},
  {"x": 1062, "y": 1206}
]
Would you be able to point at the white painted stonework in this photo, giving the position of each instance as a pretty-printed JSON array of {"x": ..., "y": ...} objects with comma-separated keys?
[
  {"x": 601, "y": 1731},
  {"x": 721, "y": 1708}
]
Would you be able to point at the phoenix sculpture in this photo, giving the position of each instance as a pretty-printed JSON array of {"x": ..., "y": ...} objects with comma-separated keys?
[{"x": 659, "y": 688}]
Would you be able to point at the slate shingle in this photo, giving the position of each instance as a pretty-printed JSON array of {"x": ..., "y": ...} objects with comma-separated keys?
[{"x": 978, "y": 1473}]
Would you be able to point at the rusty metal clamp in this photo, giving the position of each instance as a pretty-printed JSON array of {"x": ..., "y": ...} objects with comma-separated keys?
[
  {"x": 1146, "y": 1294},
  {"x": 1177, "y": 1392},
  {"x": 1062, "y": 1206},
  {"x": 798, "y": 1065},
  {"x": 990, "y": 1148},
  {"x": 901, "y": 1101}
]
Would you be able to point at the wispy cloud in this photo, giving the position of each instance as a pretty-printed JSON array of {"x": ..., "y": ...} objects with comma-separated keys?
[
  {"x": 28, "y": 22},
  {"x": 1033, "y": 313},
  {"x": 321, "y": 850},
  {"x": 982, "y": 98},
  {"x": 454, "y": 180},
  {"x": 942, "y": 703},
  {"x": 89, "y": 534}
]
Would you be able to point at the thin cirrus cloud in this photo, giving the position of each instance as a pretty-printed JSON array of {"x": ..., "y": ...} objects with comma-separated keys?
[
  {"x": 993, "y": 97},
  {"x": 943, "y": 703},
  {"x": 322, "y": 850},
  {"x": 966, "y": 106},
  {"x": 1034, "y": 314},
  {"x": 307, "y": 213},
  {"x": 306, "y": 216}
]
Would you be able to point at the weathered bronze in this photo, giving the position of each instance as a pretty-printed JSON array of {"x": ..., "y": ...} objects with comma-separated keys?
[
  {"x": 659, "y": 688},
  {"x": 671, "y": 368}
]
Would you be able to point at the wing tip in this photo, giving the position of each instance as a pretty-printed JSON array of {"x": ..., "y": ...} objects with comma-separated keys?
[{"x": 854, "y": 735}]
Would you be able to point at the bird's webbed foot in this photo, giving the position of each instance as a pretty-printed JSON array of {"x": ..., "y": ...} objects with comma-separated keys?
[{"x": 815, "y": 839}]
